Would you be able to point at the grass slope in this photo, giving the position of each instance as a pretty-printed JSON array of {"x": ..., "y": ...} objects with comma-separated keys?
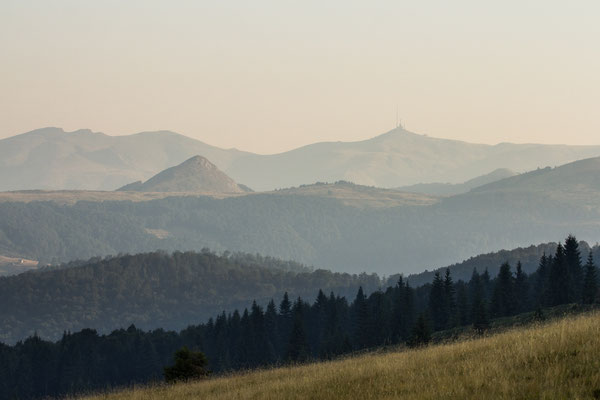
[{"x": 555, "y": 360}]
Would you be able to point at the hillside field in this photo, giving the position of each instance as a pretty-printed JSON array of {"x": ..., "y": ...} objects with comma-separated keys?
[{"x": 559, "y": 359}]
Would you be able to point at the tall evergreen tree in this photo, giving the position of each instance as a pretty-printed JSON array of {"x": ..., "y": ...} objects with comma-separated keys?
[
  {"x": 437, "y": 303},
  {"x": 450, "y": 300},
  {"x": 361, "y": 320},
  {"x": 379, "y": 325},
  {"x": 271, "y": 332},
  {"x": 284, "y": 323},
  {"x": 590, "y": 282},
  {"x": 521, "y": 289},
  {"x": 542, "y": 295},
  {"x": 298, "y": 346},
  {"x": 558, "y": 278},
  {"x": 503, "y": 298},
  {"x": 479, "y": 314},
  {"x": 462, "y": 305},
  {"x": 421, "y": 333},
  {"x": 574, "y": 269}
]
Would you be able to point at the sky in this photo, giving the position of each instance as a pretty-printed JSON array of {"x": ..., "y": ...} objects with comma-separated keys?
[{"x": 269, "y": 76}]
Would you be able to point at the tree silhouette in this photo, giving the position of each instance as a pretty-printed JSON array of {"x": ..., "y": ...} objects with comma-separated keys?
[
  {"x": 189, "y": 365},
  {"x": 590, "y": 282}
]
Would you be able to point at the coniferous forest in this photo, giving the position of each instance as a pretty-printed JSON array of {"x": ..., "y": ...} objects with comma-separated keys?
[{"x": 295, "y": 330}]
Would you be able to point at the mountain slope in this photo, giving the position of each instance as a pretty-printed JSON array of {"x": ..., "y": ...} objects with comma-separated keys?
[
  {"x": 50, "y": 158},
  {"x": 319, "y": 230},
  {"x": 397, "y": 158},
  {"x": 554, "y": 360},
  {"x": 154, "y": 290},
  {"x": 449, "y": 189},
  {"x": 196, "y": 174}
]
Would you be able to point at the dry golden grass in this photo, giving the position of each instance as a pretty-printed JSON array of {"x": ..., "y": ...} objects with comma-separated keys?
[{"x": 556, "y": 360}]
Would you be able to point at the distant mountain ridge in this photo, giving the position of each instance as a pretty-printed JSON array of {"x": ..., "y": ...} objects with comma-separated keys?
[
  {"x": 450, "y": 189},
  {"x": 196, "y": 174},
  {"x": 51, "y": 158}
]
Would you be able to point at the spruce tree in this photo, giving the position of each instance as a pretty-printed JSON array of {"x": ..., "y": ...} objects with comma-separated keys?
[
  {"x": 397, "y": 310},
  {"x": 421, "y": 333},
  {"x": 450, "y": 300},
  {"x": 558, "y": 278},
  {"x": 437, "y": 303},
  {"x": 503, "y": 298},
  {"x": 462, "y": 305},
  {"x": 542, "y": 295},
  {"x": 479, "y": 314},
  {"x": 298, "y": 347},
  {"x": 379, "y": 326},
  {"x": 590, "y": 282},
  {"x": 272, "y": 339},
  {"x": 361, "y": 321},
  {"x": 521, "y": 289},
  {"x": 574, "y": 269},
  {"x": 408, "y": 310},
  {"x": 284, "y": 323}
]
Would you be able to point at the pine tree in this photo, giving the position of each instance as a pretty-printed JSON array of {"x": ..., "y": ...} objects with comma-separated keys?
[
  {"x": 408, "y": 310},
  {"x": 361, "y": 321},
  {"x": 479, "y": 314},
  {"x": 590, "y": 282},
  {"x": 437, "y": 303},
  {"x": 521, "y": 289},
  {"x": 503, "y": 298},
  {"x": 271, "y": 330},
  {"x": 284, "y": 323},
  {"x": 574, "y": 269},
  {"x": 462, "y": 305},
  {"x": 487, "y": 285},
  {"x": 541, "y": 284},
  {"x": 379, "y": 324},
  {"x": 298, "y": 347},
  {"x": 450, "y": 300},
  {"x": 397, "y": 310},
  {"x": 421, "y": 333},
  {"x": 558, "y": 279}
]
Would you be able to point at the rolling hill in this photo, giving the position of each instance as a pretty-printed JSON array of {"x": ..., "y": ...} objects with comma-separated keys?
[
  {"x": 52, "y": 159},
  {"x": 450, "y": 189},
  {"x": 311, "y": 226},
  {"x": 196, "y": 174},
  {"x": 155, "y": 290}
]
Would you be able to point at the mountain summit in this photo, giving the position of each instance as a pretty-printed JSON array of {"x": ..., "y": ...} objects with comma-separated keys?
[{"x": 196, "y": 174}]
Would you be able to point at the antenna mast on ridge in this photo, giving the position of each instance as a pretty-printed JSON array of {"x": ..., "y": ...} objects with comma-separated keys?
[{"x": 398, "y": 121}]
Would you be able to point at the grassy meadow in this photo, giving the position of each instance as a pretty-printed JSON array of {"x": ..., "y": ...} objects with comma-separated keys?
[{"x": 559, "y": 359}]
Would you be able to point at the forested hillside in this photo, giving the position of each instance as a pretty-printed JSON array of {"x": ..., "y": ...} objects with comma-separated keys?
[
  {"x": 153, "y": 290},
  {"x": 528, "y": 257},
  {"x": 294, "y": 330},
  {"x": 308, "y": 229}
]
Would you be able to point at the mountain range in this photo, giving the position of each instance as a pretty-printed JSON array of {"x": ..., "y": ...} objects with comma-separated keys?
[{"x": 52, "y": 159}]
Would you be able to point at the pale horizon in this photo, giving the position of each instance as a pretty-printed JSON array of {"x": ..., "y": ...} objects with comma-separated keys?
[{"x": 271, "y": 76}]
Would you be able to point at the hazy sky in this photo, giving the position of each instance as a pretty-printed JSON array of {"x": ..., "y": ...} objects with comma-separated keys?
[{"x": 267, "y": 76}]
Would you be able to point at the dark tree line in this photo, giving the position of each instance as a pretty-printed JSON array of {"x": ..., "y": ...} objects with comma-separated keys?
[{"x": 294, "y": 330}]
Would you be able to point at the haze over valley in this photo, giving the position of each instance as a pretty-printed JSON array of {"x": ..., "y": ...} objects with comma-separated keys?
[{"x": 299, "y": 200}]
